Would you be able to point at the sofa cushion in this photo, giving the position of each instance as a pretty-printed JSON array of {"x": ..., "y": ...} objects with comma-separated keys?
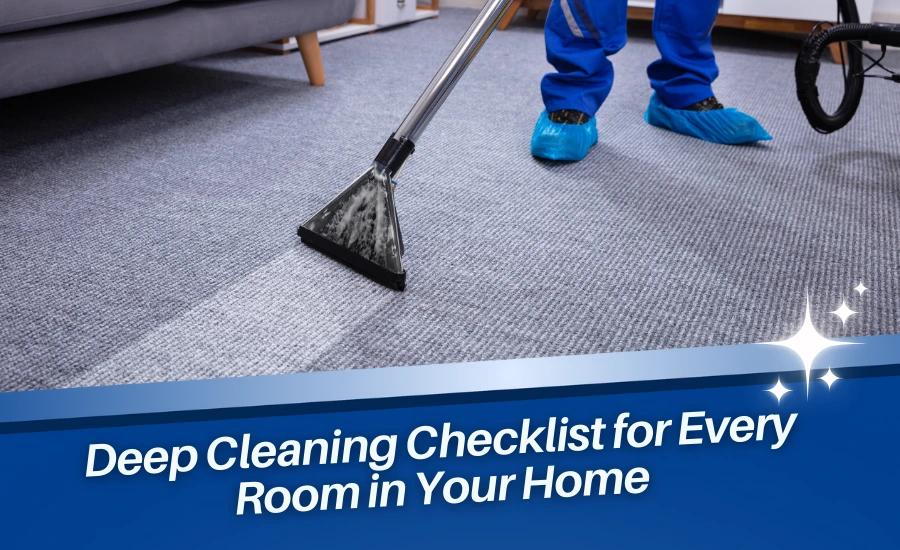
[
  {"x": 19, "y": 15},
  {"x": 64, "y": 54}
]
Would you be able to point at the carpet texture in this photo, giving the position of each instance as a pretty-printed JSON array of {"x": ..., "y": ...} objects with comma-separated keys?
[{"x": 148, "y": 222}]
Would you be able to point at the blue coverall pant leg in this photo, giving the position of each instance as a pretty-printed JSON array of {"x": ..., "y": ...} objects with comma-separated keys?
[
  {"x": 580, "y": 36},
  {"x": 687, "y": 67}
]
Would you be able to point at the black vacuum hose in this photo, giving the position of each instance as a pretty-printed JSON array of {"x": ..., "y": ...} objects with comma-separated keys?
[{"x": 806, "y": 71}]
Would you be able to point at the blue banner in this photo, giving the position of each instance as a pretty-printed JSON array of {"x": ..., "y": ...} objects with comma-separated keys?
[{"x": 613, "y": 455}]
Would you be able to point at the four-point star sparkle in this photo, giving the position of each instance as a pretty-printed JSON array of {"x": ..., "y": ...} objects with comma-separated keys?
[
  {"x": 807, "y": 344},
  {"x": 844, "y": 312},
  {"x": 778, "y": 390},
  {"x": 860, "y": 288},
  {"x": 829, "y": 378}
]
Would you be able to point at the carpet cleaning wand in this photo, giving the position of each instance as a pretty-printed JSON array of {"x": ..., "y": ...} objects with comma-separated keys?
[{"x": 359, "y": 227}]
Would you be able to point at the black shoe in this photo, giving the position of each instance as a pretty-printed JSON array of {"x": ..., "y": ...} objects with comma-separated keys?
[
  {"x": 569, "y": 116},
  {"x": 708, "y": 104}
]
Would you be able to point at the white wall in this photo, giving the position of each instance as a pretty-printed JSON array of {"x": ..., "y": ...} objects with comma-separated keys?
[{"x": 884, "y": 10}]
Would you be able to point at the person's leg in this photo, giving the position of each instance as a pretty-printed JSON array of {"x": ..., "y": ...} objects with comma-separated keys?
[
  {"x": 687, "y": 67},
  {"x": 579, "y": 35},
  {"x": 682, "y": 78}
]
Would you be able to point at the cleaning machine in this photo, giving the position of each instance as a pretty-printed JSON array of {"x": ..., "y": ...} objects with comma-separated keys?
[
  {"x": 359, "y": 227},
  {"x": 849, "y": 33}
]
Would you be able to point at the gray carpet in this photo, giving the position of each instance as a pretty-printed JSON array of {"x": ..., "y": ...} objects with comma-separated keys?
[{"x": 147, "y": 222}]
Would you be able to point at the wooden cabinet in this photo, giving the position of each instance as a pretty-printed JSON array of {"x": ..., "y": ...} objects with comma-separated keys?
[
  {"x": 806, "y": 10},
  {"x": 369, "y": 16},
  {"x": 388, "y": 12},
  {"x": 788, "y": 16},
  {"x": 775, "y": 15}
]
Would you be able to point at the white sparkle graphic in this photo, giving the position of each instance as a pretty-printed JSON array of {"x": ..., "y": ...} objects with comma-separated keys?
[
  {"x": 778, "y": 390},
  {"x": 829, "y": 378},
  {"x": 860, "y": 288},
  {"x": 844, "y": 312},
  {"x": 807, "y": 344}
]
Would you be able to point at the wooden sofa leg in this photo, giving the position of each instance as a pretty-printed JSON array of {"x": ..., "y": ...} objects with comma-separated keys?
[
  {"x": 836, "y": 49},
  {"x": 510, "y": 14},
  {"x": 312, "y": 57}
]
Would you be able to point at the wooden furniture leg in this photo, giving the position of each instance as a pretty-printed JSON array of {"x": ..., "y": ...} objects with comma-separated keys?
[
  {"x": 312, "y": 58},
  {"x": 510, "y": 14},
  {"x": 835, "y": 49},
  {"x": 532, "y": 14}
]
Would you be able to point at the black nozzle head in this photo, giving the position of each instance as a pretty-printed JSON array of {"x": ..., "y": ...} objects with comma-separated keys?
[{"x": 359, "y": 228}]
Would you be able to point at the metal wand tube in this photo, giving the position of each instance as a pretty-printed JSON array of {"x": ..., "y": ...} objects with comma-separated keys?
[{"x": 451, "y": 71}]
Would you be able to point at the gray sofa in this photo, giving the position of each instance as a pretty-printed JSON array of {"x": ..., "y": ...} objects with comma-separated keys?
[{"x": 49, "y": 43}]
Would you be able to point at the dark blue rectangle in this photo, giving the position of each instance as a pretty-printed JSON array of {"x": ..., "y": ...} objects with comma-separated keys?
[{"x": 830, "y": 485}]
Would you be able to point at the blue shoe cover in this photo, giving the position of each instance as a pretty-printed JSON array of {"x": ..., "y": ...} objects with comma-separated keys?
[
  {"x": 728, "y": 126},
  {"x": 557, "y": 141}
]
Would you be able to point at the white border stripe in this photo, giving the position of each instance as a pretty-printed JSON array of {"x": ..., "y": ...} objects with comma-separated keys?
[{"x": 458, "y": 378}]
